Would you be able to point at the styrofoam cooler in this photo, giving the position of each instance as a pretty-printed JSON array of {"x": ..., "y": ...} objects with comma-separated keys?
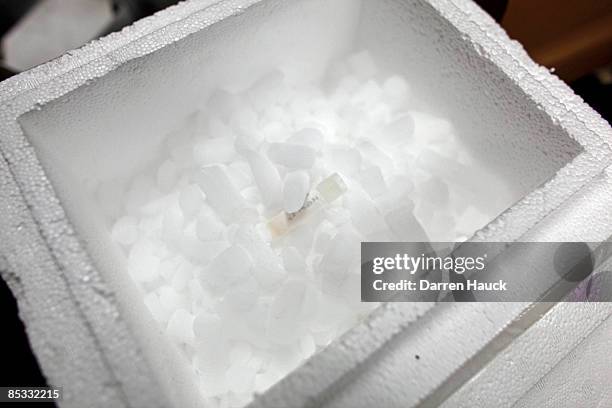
[{"x": 100, "y": 112}]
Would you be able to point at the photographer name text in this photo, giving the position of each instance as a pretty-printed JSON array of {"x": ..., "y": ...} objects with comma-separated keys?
[{"x": 426, "y": 285}]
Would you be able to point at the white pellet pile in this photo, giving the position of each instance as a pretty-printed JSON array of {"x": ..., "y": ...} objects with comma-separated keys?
[{"x": 248, "y": 299}]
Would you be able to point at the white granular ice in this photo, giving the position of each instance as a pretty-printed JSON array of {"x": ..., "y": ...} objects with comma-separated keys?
[{"x": 247, "y": 306}]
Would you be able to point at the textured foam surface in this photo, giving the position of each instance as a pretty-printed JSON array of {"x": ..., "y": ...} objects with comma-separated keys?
[{"x": 86, "y": 337}]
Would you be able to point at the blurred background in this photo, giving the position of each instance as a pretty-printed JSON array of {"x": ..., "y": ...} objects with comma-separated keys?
[{"x": 571, "y": 37}]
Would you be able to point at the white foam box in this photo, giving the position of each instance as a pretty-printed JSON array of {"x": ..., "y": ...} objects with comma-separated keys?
[{"x": 101, "y": 111}]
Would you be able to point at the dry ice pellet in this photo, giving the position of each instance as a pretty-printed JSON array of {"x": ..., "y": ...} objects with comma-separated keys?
[{"x": 244, "y": 236}]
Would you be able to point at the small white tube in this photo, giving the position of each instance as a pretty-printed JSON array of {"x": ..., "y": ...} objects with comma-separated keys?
[{"x": 326, "y": 192}]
